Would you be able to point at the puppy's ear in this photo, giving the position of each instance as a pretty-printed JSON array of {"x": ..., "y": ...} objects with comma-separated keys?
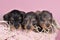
[
  {"x": 6, "y": 17},
  {"x": 23, "y": 13},
  {"x": 23, "y": 22}
]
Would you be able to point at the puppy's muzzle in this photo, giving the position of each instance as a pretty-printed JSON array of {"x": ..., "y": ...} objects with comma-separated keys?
[
  {"x": 16, "y": 25},
  {"x": 28, "y": 27}
]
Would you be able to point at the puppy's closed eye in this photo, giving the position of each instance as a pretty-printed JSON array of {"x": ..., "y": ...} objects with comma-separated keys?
[
  {"x": 12, "y": 18},
  {"x": 20, "y": 18}
]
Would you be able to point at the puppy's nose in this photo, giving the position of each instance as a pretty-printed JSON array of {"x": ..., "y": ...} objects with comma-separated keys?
[
  {"x": 28, "y": 27},
  {"x": 47, "y": 24},
  {"x": 16, "y": 25}
]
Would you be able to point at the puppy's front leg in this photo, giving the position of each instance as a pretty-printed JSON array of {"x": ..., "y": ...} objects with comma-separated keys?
[{"x": 37, "y": 28}]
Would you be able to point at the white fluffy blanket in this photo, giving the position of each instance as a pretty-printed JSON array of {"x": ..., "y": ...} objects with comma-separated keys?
[{"x": 6, "y": 34}]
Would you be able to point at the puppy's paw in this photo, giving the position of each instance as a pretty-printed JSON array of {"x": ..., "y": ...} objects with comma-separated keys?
[{"x": 37, "y": 28}]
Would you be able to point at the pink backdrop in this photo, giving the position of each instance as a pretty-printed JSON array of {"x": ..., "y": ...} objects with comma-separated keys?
[{"x": 31, "y": 5}]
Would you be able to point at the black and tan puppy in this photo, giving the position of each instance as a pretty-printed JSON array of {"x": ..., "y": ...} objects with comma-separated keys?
[
  {"x": 30, "y": 21},
  {"x": 45, "y": 20},
  {"x": 14, "y": 18}
]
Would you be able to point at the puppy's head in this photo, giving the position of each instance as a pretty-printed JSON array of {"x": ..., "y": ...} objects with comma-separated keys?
[
  {"x": 30, "y": 20},
  {"x": 15, "y": 18},
  {"x": 45, "y": 17}
]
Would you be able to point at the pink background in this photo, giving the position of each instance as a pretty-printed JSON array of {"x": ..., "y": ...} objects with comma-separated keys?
[{"x": 31, "y": 5}]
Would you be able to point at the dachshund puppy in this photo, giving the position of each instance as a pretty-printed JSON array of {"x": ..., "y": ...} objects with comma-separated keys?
[
  {"x": 30, "y": 21},
  {"x": 14, "y": 18},
  {"x": 45, "y": 20}
]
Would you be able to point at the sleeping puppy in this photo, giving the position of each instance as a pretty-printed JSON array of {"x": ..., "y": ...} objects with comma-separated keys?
[
  {"x": 14, "y": 18},
  {"x": 45, "y": 20},
  {"x": 30, "y": 21}
]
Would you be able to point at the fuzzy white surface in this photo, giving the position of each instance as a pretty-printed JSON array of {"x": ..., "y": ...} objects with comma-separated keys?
[{"x": 5, "y": 33}]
